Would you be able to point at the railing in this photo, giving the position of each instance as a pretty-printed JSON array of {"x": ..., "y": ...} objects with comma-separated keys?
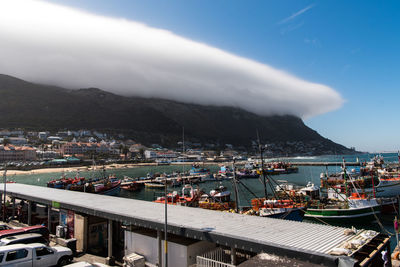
[
  {"x": 204, "y": 262},
  {"x": 215, "y": 258}
]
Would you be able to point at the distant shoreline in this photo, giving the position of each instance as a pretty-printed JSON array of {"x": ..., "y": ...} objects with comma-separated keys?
[{"x": 90, "y": 168}]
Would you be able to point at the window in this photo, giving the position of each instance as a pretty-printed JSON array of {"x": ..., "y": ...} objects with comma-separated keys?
[
  {"x": 1, "y": 257},
  {"x": 43, "y": 251},
  {"x": 16, "y": 254}
]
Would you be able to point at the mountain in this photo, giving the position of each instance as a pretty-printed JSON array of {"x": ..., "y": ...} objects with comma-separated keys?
[{"x": 148, "y": 120}]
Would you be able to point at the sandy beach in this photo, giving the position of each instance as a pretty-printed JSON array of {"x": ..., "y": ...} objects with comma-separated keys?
[
  {"x": 74, "y": 169},
  {"x": 90, "y": 168}
]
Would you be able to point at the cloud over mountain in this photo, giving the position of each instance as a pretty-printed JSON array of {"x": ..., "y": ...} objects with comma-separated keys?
[{"x": 53, "y": 44}]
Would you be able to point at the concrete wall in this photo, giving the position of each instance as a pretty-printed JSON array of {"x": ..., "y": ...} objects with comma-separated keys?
[
  {"x": 81, "y": 229},
  {"x": 178, "y": 254},
  {"x": 141, "y": 244}
]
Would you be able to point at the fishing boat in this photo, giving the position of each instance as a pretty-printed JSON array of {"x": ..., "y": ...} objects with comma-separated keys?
[
  {"x": 279, "y": 208},
  {"x": 345, "y": 201},
  {"x": 154, "y": 185},
  {"x": 356, "y": 208},
  {"x": 375, "y": 183},
  {"x": 224, "y": 173},
  {"x": 104, "y": 186},
  {"x": 247, "y": 174},
  {"x": 185, "y": 199},
  {"x": 217, "y": 199},
  {"x": 197, "y": 170},
  {"x": 131, "y": 186}
]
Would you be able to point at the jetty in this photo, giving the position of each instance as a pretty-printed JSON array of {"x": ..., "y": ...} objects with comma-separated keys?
[
  {"x": 308, "y": 242},
  {"x": 311, "y": 163}
]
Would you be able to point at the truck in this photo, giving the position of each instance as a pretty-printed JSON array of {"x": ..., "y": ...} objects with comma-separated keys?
[{"x": 34, "y": 255}]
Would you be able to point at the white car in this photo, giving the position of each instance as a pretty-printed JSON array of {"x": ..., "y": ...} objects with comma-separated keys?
[{"x": 34, "y": 255}]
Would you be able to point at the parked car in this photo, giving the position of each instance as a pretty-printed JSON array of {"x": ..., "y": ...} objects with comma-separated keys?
[
  {"x": 34, "y": 255},
  {"x": 37, "y": 229},
  {"x": 23, "y": 239},
  {"x": 4, "y": 226}
]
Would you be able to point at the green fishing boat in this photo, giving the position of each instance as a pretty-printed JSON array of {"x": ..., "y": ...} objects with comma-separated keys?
[{"x": 350, "y": 211}]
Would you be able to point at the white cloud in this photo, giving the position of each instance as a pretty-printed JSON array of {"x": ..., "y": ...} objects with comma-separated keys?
[{"x": 53, "y": 44}]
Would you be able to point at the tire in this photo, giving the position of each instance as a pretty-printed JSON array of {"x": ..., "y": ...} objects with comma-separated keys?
[{"x": 64, "y": 260}]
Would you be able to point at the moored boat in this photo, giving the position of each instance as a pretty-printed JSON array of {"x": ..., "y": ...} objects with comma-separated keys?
[
  {"x": 354, "y": 209},
  {"x": 130, "y": 186},
  {"x": 185, "y": 199},
  {"x": 105, "y": 186},
  {"x": 154, "y": 184}
]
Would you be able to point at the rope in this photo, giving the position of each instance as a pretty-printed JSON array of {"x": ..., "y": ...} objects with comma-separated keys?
[{"x": 380, "y": 224}]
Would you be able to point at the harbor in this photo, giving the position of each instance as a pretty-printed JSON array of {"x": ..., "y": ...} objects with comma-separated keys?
[
  {"x": 320, "y": 240},
  {"x": 248, "y": 234}
]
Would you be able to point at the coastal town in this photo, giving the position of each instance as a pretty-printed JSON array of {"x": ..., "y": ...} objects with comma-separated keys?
[{"x": 31, "y": 149}]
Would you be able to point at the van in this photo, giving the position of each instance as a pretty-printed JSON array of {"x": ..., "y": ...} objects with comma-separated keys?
[{"x": 23, "y": 239}]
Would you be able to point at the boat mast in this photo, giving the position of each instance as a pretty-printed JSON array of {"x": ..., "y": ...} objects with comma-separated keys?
[
  {"x": 235, "y": 186},
  {"x": 260, "y": 148},
  {"x": 5, "y": 193},
  {"x": 183, "y": 149}
]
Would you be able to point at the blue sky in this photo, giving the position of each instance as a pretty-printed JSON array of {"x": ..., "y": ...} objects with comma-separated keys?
[{"x": 350, "y": 46}]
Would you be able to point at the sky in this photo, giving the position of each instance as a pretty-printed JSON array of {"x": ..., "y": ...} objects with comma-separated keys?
[{"x": 333, "y": 63}]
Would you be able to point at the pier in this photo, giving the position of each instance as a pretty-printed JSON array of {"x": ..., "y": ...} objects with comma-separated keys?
[
  {"x": 304, "y": 241},
  {"x": 325, "y": 163}
]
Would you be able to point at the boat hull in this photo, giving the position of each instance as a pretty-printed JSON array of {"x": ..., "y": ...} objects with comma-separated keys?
[
  {"x": 112, "y": 192},
  {"x": 296, "y": 214},
  {"x": 366, "y": 214},
  {"x": 386, "y": 189}
]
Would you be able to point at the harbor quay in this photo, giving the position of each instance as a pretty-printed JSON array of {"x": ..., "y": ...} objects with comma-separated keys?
[{"x": 116, "y": 227}]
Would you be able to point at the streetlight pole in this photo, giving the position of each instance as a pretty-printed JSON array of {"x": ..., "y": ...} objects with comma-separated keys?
[{"x": 165, "y": 226}]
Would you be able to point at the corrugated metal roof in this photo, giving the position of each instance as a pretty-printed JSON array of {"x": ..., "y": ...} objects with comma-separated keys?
[{"x": 220, "y": 227}]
